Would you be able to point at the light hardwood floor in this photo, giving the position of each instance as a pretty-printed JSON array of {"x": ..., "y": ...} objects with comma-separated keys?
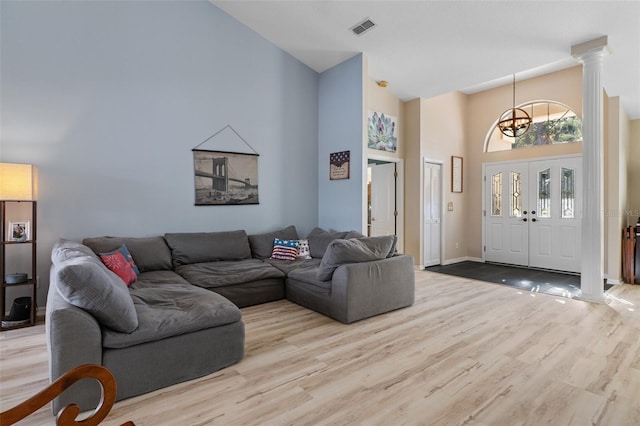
[{"x": 467, "y": 353}]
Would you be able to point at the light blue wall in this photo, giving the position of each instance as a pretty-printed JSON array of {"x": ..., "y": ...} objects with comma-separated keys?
[
  {"x": 340, "y": 202},
  {"x": 108, "y": 98}
]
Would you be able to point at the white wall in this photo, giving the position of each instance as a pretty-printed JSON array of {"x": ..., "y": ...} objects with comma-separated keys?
[
  {"x": 341, "y": 203},
  {"x": 109, "y": 98},
  {"x": 617, "y": 214},
  {"x": 443, "y": 135},
  {"x": 483, "y": 108},
  {"x": 435, "y": 130}
]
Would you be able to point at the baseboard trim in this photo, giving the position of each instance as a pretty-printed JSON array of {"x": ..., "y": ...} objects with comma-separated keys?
[
  {"x": 462, "y": 259},
  {"x": 452, "y": 261}
]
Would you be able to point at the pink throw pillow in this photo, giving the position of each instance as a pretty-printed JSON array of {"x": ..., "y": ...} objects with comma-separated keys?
[{"x": 116, "y": 263}]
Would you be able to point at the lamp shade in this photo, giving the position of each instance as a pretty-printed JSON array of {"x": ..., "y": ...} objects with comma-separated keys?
[{"x": 18, "y": 182}]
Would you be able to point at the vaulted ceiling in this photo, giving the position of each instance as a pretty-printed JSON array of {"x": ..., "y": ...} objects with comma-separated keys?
[{"x": 427, "y": 48}]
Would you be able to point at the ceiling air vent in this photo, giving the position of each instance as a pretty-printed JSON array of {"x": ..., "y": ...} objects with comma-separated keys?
[{"x": 363, "y": 27}]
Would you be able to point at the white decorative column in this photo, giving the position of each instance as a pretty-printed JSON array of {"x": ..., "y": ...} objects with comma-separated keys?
[{"x": 591, "y": 54}]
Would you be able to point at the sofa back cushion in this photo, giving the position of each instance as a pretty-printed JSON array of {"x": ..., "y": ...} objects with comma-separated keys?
[
  {"x": 358, "y": 235},
  {"x": 262, "y": 244},
  {"x": 199, "y": 247},
  {"x": 86, "y": 283},
  {"x": 149, "y": 254},
  {"x": 66, "y": 249},
  {"x": 340, "y": 252},
  {"x": 354, "y": 234},
  {"x": 319, "y": 240}
]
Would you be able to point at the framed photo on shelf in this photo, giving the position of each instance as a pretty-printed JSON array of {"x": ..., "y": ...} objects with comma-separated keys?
[
  {"x": 456, "y": 174},
  {"x": 18, "y": 231}
]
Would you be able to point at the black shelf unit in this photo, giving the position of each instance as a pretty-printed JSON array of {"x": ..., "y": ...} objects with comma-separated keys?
[{"x": 6, "y": 245}]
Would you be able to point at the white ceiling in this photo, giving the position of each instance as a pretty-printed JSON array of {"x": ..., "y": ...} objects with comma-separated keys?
[{"x": 427, "y": 48}]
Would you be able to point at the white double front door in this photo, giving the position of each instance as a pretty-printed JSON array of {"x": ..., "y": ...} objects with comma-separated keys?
[{"x": 532, "y": 213}]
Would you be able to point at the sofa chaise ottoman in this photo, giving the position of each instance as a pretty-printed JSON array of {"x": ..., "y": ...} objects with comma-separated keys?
[
  {"x": 355, "y": 278},
  {"x": 160, "y": 331}
]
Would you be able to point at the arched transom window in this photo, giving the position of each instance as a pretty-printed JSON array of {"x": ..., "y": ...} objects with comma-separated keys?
[{"x": 553, "y": 123}]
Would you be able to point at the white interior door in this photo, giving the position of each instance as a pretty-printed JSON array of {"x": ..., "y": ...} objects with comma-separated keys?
[
  {"x": 506, "y": 223},
  {"x": 432, "y": 211},
  {"x": 533, "y": 213},
  {"x": 383, "y": 199},
  {"x": 556, "y": 212}
]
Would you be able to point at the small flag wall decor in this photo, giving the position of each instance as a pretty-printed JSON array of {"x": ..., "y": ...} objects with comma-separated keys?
[{"x": 339, "y": 165}]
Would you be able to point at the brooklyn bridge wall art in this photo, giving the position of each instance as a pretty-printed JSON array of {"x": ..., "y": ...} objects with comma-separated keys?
[{"x": 225, "y": 178}]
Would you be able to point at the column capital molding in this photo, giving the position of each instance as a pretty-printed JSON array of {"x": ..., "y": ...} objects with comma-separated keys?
[{"x": 598, "y": 46}]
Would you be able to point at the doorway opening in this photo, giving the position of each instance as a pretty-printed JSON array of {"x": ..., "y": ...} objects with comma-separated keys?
[
  {"x": 432, "y": 214},
  {"x": 384, "y": 198}
]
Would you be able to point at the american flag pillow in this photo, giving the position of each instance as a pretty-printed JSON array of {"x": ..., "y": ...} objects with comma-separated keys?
[{"x": 284, "y": 249}]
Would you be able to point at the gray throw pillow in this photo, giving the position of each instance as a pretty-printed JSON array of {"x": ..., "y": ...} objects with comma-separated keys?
[
  {"x": 89, "y": 285},
  {"x": 262, "y": 244},
  {"x": 319, "y": 240},
  {"x": 340, "y": 252}
]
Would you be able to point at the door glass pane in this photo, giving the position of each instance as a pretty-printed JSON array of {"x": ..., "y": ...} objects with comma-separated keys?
[
  {"x": 544, "y": 193},
  {"x": 567, "y": 193},
  {"x": 496, "y": 194},
  {"x": 516, "y": 195}
]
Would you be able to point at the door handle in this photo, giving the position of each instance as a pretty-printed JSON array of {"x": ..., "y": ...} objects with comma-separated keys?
[
  {"x": 533, "y": 220},
  {"x": 533, "y": 212},
  {"x": 524, "y": 220},
  {"x": 524, "y": 212}
]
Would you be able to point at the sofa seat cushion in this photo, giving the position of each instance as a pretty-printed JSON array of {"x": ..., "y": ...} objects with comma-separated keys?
[
  {"x": 170, "y": 310},
  {"x": 308, "y": 277},
  {"x": 225, "y": 273},
  {"x": 287, "y": 266},
  {"x": 154, "y": 278}
]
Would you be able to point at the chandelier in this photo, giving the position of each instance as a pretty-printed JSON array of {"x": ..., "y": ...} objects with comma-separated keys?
[{"x": 514, "y": 121}]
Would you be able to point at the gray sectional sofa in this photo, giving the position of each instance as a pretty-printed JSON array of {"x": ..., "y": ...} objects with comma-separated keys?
[{"x": 181, "y": 319}]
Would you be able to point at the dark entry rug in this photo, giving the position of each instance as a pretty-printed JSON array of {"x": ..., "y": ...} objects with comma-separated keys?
[{"x": 532, "y": 280}]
